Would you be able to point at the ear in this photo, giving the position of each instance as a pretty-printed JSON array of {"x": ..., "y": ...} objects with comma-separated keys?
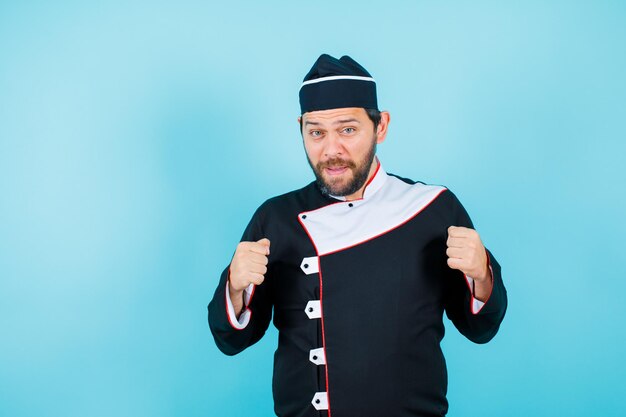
[
  {"x": 300, "y": 126},
  {"x": 381, "y": 130}
]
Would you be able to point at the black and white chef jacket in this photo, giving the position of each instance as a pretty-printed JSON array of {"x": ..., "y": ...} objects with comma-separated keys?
[{"x": 358, "y": 289}]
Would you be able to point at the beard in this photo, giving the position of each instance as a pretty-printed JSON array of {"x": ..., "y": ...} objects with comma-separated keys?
[{"x": 338, "y": 186}]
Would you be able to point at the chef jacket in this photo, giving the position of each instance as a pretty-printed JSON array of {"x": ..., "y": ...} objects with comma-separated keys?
[{"x": 358, "y": 290}]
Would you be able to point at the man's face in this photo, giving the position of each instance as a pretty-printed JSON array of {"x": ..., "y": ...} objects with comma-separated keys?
[{"x": 340, "y": 145}]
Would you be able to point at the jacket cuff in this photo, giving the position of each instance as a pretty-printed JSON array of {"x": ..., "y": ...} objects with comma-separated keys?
[
  {"x": 243, "y": 320},
  {"x": 475, "y": 304}
]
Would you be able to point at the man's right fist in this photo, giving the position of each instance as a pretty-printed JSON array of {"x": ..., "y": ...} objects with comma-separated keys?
[{"x": 249, "y": 264}]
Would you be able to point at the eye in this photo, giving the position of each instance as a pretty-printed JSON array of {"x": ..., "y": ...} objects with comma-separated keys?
[
  {"x": 348, "y": 130},
  {"x": 316, "y": 134}
]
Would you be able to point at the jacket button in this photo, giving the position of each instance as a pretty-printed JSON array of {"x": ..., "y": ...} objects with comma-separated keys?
[
  {"x": 315, "y": 357},
  {"x": 317, "y": 401},
  {"x": 306, "y": 265},
  {"x": 310, "y": 309},
  {"x": 304, "y": 216},
  {"x": 350, "y": 205}
]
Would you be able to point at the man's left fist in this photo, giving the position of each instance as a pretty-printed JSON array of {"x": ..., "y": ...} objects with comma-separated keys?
[{"x": 467, "y": 253}]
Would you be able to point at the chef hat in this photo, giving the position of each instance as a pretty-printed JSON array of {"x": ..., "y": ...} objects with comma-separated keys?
[{"x": 334, "y": 83}]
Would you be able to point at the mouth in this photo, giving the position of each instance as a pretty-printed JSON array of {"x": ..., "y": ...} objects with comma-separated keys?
[{"x": 335, "y": 170}]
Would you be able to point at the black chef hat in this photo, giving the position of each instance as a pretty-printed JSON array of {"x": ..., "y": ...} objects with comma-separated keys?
[{"x": 334, "y": 83}]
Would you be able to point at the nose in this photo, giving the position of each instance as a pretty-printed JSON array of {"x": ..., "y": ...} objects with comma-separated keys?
[{"x": 333, "y": 146}]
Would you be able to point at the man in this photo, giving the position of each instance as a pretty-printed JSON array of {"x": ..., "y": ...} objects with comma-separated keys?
[{"x": 358, "y": 268}]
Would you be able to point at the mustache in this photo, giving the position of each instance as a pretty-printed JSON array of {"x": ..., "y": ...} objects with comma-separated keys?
[{"x": 336, "y": 162}]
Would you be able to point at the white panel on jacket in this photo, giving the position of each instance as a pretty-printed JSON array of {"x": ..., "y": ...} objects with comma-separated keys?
[{"x": 388, "y": 203}]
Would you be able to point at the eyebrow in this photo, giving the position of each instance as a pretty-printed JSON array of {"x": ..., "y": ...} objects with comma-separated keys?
[
  {"x": 351, "y": 120},
  {"x": 338, "y": 122}
]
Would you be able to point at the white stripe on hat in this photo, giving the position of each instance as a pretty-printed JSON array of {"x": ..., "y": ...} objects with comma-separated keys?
[{"x": 338, "y": 77}]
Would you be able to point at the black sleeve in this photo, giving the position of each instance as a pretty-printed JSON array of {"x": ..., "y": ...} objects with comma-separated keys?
[
  {"x": 481, "y": 326},
  {"x": 229, "y": 339}
]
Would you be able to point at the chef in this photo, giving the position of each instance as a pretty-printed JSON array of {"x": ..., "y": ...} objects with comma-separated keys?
[{"x": 358, "y": 268}]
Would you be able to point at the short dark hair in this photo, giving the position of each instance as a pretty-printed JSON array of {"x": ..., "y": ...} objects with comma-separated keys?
[{"x": 373, "y": 114}]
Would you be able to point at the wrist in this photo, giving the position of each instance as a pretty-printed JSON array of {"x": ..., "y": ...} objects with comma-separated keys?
[
  {"x": 233, "y": 291},
  {"x": 483, "y": 278},
  {"x": 237, "y": 299}
]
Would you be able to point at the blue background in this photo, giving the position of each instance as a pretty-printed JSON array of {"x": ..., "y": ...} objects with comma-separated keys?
[{"x": 137, "y": 138}]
